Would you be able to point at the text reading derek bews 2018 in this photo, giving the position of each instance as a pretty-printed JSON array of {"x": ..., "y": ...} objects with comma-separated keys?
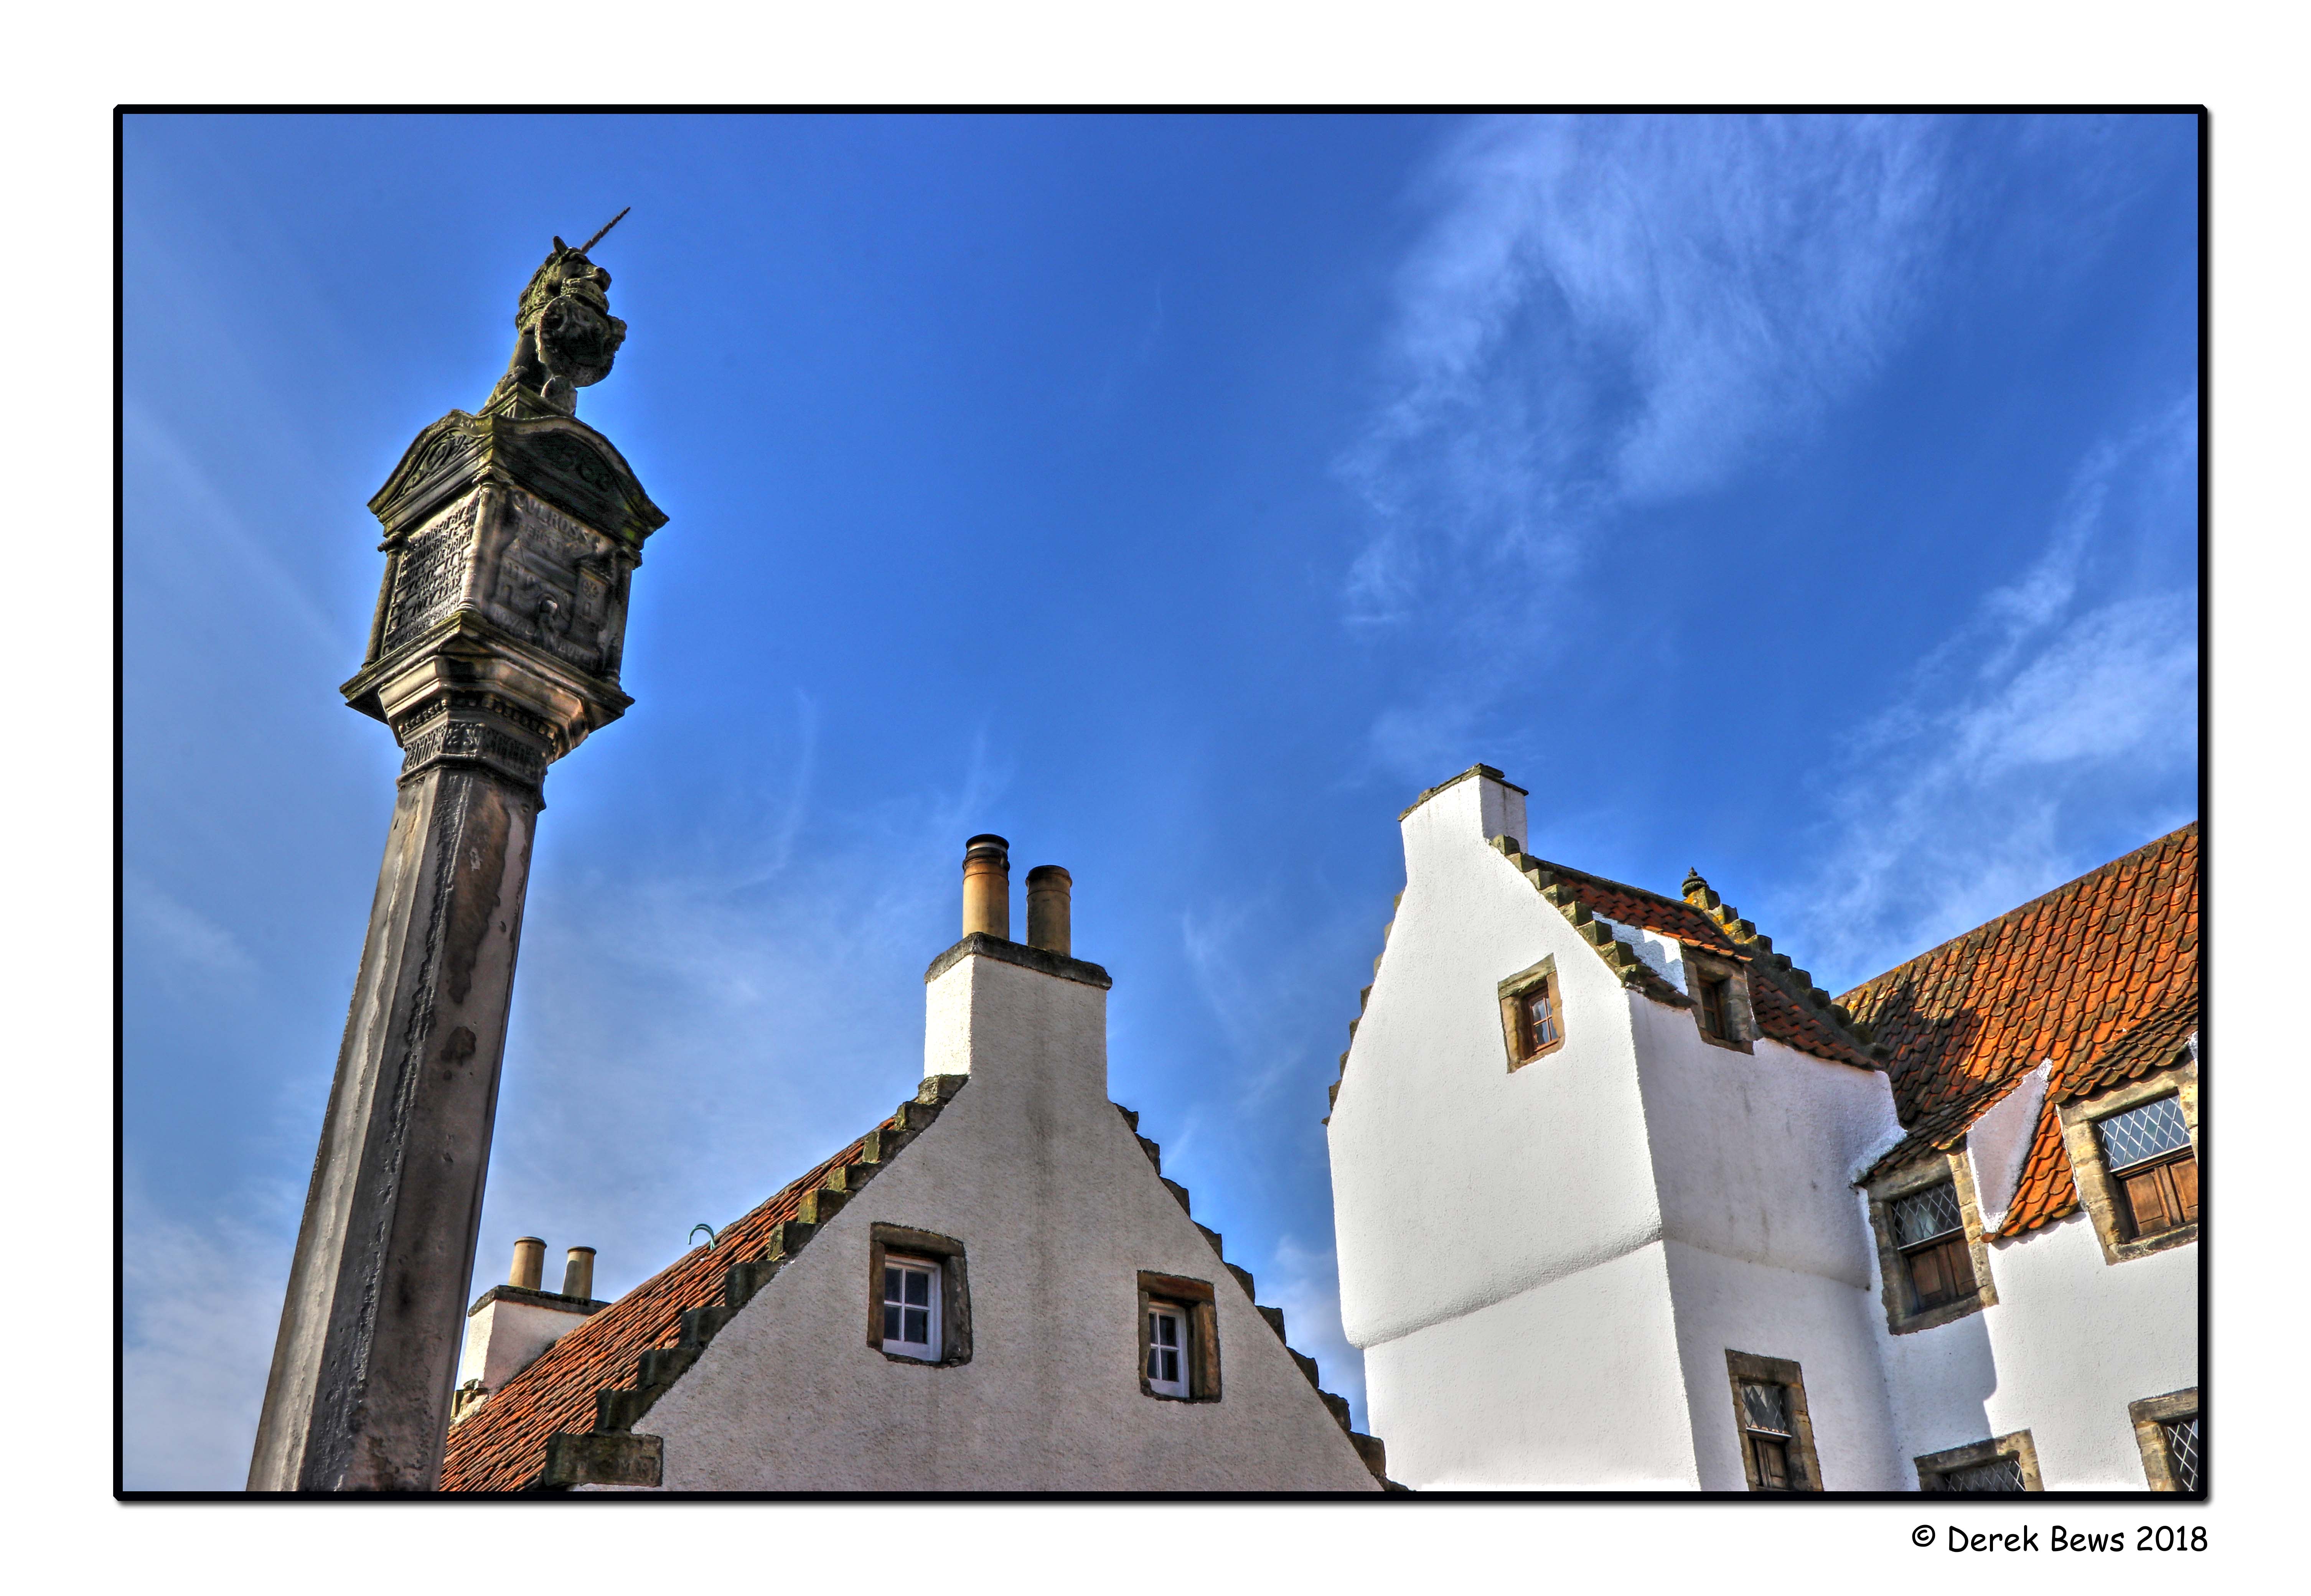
[{"x": 2062, "y": 1538}]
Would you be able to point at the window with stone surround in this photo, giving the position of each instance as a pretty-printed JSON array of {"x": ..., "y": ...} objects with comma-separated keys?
[
  {"x": 918, "y": 1296},
  {"x": 2134, "y": 1155},
  {"x": 1934, "y": 1265},
  {"x": 2147, "y": 1152},
  {"x": 1770, "y": 1417},
  {"x": 1719, "y": 990},
  {"x": 1179, "y": 1338},
  {"x": 1532, "y": 1013},
  {"x": 1930, "y": 1232},
  {"x": 2003, "y": 1465},
  {"x": 2167, "y": 1430}
]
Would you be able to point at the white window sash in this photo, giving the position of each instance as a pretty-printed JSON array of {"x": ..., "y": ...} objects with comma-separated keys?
[
  {"x": 1167, "y": 1357},
  {"x": 928, "y": 1270}
]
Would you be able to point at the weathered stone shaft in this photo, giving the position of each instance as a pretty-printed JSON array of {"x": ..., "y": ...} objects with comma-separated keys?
[
  {"x": 362, "y": 1376},
  {"x": 510, "y": 539}
]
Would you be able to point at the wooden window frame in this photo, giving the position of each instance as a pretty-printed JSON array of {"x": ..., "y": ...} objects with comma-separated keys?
[
  {"x": 954, "y": 1292},
  {"x": 1513, "y": 992},
  {"x": 1893, "y": 1265},
  {"x": 1702, "y": 966},
  {"x": 1746, "y": 1368},
  {"x": 2098, "y": 1191},
  {"x": 1194, "y": 1298},
  {"x": 910, "y": 1266},
  {"x": 2017, "y": 1445},
  {"x": 2150, "y": 1417}
]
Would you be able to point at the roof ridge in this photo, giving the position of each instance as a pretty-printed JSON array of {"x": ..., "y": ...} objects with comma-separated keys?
[{"x": 1997, "y": 921}]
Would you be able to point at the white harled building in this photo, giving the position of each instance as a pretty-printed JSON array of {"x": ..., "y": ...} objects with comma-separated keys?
[
  {"x": 995, "y": 1289},
  {"x": 1624, "y": 1202}
]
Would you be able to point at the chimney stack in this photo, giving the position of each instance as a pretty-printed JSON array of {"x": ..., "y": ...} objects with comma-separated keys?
[
  {"x": 987, "y": 886},
  {"x": 528, "y": 1263},
  {"x": 1049, "y": 894},
  {"x": 577, "y": 1278}
]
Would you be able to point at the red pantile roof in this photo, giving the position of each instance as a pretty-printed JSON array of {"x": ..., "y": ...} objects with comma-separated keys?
[
  {"x": 502, "y": 1446},
  {"x": 1787, "y": 1005},
  {"x": 2100, "y": 976}
]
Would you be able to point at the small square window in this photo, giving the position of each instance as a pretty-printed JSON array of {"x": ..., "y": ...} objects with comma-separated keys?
[
  {"x": 1179, "y": 1338},
  {"x": 1532, "y": 1013},
  {"x": 1167, "y": 1349},
  {"x": 1537, "y": 1018},
  {"x": 911, "y": 1307},
  {"x": 2134, "y": 1157},
  {"x": 918, "y": 1296}
]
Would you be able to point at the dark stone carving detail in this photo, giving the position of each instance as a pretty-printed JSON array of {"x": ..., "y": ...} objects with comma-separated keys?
[
  {"x": 473, "y": 742},
  {"x": 558, "y": 585},
  {"x": 429, "y": 575}
]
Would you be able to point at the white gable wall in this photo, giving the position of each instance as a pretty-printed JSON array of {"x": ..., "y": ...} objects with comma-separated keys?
[
  {"x": 1473, "y": 1204},
  {"x": 1034, "y": 1170}
]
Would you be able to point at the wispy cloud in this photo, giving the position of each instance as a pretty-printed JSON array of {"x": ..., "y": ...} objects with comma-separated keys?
[
  {"x": 201, "y": 1303},
  {"x": 193, "y": 950},
  {"x": 2072, "y": 688},
  {"x": 1612, "y": 311}
]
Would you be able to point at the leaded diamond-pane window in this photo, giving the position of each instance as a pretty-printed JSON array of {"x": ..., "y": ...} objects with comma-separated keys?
[
  {"x": 1998, "y": 1475},
  {"x": 2145, "y": 1132},
  {"x": 1925, "y": 1215},
  {"x": 1765, "y": 1407},
  {"x": 2183, "y": 1452}
]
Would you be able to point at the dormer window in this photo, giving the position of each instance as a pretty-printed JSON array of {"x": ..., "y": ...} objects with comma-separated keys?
[
  {"x": 1933, "y": 1262},
  {"x": 2147, "y": 1151},
  {"x": 1710, "y": 993},
  {"x": 1720, "y": 999},
  {"x": 1930, "y": 1230}
]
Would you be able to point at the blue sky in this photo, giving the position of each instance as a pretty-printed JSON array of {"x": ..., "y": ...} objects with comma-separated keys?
[{"x": 1812, "y": 502}]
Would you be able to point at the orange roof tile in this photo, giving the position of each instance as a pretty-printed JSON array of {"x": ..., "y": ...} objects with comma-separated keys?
[
  {"x": 2095, "y": 977},
  {"x": 1781, "y": 1000},
  {"x": 502, "y": 1446}
]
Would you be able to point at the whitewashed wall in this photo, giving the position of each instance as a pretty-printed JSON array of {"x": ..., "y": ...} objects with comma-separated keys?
[
  {"x": 1545, "y": 1269},
  {"x": 2070, "y": 1341},
  {"x": 1034, "y": 1170}
]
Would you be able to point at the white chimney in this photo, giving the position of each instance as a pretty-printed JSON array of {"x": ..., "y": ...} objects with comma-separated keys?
[{"x": 509, "y": 1326}]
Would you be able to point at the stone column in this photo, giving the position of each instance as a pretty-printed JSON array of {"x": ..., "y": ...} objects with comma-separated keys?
[{"x": 510, "y": 538}]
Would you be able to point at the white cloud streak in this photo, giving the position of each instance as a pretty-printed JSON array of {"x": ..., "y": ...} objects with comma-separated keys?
[
  {"x": 201, "y": 1303},
  {"x": 1612, "y": 311},
  {"x": 2070, "y": 689}
]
